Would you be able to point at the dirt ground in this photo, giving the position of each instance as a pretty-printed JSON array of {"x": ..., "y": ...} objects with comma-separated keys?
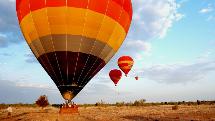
[{"x": 112, "y": 113}]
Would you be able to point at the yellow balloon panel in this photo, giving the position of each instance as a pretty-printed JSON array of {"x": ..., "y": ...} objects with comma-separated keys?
[{"x": 83, "y": 22}]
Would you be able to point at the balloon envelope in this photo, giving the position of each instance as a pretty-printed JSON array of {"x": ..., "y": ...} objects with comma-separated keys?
[
  {"x": 115, "y": 76},
  {"x": 74, "y": 39},
  {"x": 125, "y": 63},
  {"x": 137, "y": 78}
]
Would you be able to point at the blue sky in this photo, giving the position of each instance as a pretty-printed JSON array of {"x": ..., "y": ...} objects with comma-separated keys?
[{"x": 172, "y": 43}]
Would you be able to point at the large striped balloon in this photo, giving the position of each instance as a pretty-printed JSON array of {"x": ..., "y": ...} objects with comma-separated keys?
[{"x": 74, "y": 39}]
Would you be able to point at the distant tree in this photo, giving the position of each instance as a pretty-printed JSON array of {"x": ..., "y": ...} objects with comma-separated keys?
[
  {"x": 143, "y": 100},
  {"x": 183, "y": 102},
  {"x": 120, "y": 104},
  {"x": 179, "y": 103},
  {"x": 139, "y": 102},
  {"x": 198, "y": 102},
  {"x": 42, "y": 101},
  {"x": 101, "y": 103}
]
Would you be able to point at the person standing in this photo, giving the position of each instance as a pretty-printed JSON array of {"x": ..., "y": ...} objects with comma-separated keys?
[{"x": 9, "y": 110}]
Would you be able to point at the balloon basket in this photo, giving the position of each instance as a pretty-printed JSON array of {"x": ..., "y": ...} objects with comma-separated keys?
[{"x": 69, "y": 109}]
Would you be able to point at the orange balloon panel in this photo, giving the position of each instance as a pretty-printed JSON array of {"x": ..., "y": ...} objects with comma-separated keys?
[
  {"x": 125, "y": 63},
  {"x": 74, "y": 39}
]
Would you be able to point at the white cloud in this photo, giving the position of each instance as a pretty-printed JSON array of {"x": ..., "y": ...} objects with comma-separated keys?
[
  {"x": 137, "y": 48},
  {"x": 139, "y": 45},
  {"x": 153, "y": 18},
  {"x": 206, "y": 10},
  {"x": 13, "y": 92},
  {"x": 24, "y": 84},
  {"x": 179, "y": 72}
]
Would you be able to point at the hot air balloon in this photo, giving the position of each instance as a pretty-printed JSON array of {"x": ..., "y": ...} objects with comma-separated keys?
[
  {"x": 74, "y": 39},
  {"x": 115, "y": 76},
  {"x": 125, "y": 63},
  {"x": 137, "y": 78}
]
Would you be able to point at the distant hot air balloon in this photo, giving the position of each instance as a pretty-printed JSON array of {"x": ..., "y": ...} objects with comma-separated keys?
[
  {"x": 115, "y": 76},
  {"x": 74, "y": 39},
  {"x": 125, "y": 63},
  {"x": 137, "y": 78}
]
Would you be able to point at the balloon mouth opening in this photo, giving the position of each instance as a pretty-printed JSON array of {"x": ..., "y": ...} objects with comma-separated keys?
[{"x": 68, "y": 95}]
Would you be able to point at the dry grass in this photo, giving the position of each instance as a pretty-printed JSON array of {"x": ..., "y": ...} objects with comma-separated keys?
[{"x": 114, "y": 113}]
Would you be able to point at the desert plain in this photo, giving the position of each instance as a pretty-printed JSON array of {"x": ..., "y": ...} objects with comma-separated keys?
[{"x": 114, "y": 113}]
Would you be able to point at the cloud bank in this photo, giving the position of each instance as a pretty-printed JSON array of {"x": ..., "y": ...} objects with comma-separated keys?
[
  {"x": 179, "y": 72},
  {"x": 153, "y": 18}
]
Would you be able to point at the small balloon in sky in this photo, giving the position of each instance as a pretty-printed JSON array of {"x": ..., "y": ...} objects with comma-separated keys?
[
  {"x": 115, "y": 76},
  {"x": 137, "y": 78},
  {"x": 125, "y": 63}
]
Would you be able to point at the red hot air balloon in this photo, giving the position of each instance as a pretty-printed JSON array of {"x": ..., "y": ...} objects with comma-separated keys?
[
  {"x": 74, "y": 39},
  {"x": 137, "y": 78},
  {"x": 125, "y": 63},
  {"x": 115, "y": 76}
]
